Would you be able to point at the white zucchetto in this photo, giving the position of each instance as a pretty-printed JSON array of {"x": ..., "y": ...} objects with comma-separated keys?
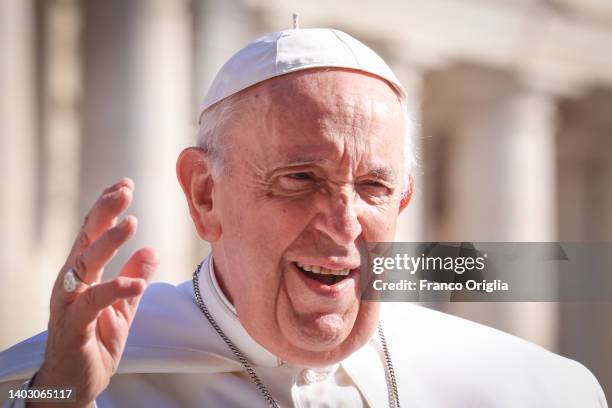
[{"x": 294, "y": 50}]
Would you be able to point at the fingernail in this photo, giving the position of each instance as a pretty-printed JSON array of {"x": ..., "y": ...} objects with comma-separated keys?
[
  {"x": 122, "y": 190},
  {"x": 128, "y": 182},
  {"x": 124, "y": 222},
  {"x": 116, "y": 194},
  {"x": 139, "y": 285}
]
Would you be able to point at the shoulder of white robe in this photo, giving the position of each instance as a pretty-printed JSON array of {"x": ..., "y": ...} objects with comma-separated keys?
[
  {"x": 20, "y": 361},
  {"x": 438, "y": 357},
  {"x": 170, "y": 335}
]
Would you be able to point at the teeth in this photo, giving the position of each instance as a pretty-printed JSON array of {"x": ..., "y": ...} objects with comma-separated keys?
[{"x": 323, "y": 271}]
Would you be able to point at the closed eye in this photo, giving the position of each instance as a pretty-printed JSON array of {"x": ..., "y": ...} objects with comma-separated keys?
[
  {"x": 300, "y": 176},
  {"x": 375, "y": 188},
  {"x": 298, "y": 182},
  {"x": 374, "y": 183}
]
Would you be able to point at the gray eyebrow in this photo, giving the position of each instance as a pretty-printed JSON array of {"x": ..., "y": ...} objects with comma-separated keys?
[
  {"x": 299, "y": 160},
  {"x": 378, "y": 172},
  {"x": 383, "y": 173}
]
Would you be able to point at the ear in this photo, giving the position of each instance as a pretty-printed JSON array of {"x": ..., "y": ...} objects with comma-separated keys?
[
  {"x": 193, "y": 169},
  {"x": 408, "y": 196}
]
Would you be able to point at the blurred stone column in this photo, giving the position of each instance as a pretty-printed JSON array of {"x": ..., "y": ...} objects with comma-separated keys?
[
  {"x": 501, "y": 152},
  {"x": 18, "y": 171},
  {"x": 585, "y": 200},
  {"x": 585, "y": 157},
  {"x": 497, "y": 177},
  {"x": 138, "y": 116},
  {"x": 532, "y": 155},
  {"x": 221, "y": 29},
  {"x": 60, "y": 142}
]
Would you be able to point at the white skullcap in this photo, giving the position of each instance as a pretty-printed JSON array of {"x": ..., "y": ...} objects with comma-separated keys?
[{"x": 288, "y": 51}]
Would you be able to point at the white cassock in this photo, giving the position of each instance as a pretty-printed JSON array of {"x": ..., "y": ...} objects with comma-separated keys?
[{"x": 174, "y": 358}]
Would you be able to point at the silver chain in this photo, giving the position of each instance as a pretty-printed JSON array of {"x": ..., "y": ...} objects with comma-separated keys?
[{"x": 391, "y": 381}]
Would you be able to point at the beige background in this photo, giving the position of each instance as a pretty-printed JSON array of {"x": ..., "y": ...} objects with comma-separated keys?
[{"x": 512, "y": 98}]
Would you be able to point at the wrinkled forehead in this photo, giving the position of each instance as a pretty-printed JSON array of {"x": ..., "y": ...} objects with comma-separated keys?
[
  {"x": 319, "y": 98},
  {"x": 324, "y": 114}
]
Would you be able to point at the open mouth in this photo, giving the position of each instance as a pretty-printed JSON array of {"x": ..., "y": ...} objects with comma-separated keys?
[{"x": 323, "y": 275}]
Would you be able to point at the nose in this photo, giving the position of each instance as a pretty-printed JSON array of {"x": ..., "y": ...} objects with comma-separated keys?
[{"x": 338, "y": 217}]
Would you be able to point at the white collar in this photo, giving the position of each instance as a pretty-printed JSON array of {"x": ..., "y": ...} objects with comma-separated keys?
[{"x": 224, "y": 313}]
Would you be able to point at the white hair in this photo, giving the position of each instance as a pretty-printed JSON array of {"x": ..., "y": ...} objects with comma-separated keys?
[
  {"x": 214, "y": 119},
  {"x": 212, "y": 123}
]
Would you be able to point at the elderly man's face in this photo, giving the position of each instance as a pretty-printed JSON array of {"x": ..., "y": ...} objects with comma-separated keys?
[{"x": 313, "y": 171}]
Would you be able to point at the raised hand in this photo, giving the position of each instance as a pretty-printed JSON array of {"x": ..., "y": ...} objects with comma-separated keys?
[{"x": 88, "y": 327}]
